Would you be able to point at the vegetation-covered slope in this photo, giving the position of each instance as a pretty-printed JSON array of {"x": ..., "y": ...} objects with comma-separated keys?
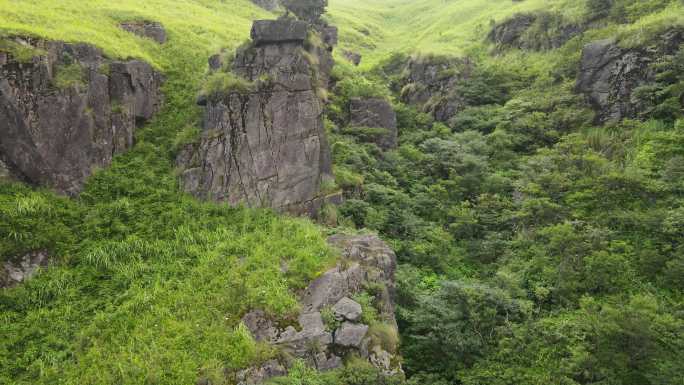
[{"x": 536, "y": 246}]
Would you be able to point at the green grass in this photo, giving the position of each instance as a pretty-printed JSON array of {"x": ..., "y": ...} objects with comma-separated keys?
[{"x": 450, "y": 27}]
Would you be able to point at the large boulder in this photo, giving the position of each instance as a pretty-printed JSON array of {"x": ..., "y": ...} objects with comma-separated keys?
[
  {"x": 278, "y": 31},
  {"x": 609, "y": 74},
  {"x": 68, "y": 110},
  {"x": 366, "y": 261},
  {"x": 148, "y": 29},
  {"x": 375, "y": 113},
  {"x": 431, "y": 84},
  {"x": 265, "y": 145}
]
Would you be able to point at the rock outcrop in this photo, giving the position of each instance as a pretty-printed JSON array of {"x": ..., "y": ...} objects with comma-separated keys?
[
  {"x": 431, "y": 83},
  {"x": 18, "y": 270},
  {"x": 533, "y": 31},
  {"x": 375, "y": 113},
  {"x": 368, "y": 264},
  {"x": 353, "y": 57},
  {"x": 148, "y": 29},
  {"x": 609, "y": 74},
  {"x": 265, "y": 145},
  {"x": 68, "y": 109},
  {"x": 269, "y": 5}
]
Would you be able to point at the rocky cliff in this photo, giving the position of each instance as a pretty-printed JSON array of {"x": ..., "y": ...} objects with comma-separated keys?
[
  {"x": 610, "y": 74},
  {"x": 333, "y": 325},
  {"x": 263, "y": 142},
  {"x": 431, "y": 83},
  {"x": 533, "y": 31},
  {"x": 66, "y": 109}
]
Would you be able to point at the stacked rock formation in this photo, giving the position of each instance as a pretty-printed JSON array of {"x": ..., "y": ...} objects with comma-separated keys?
[{"x": 264, "y": 145}]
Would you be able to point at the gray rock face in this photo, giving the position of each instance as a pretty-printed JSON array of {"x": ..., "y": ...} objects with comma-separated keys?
[
  {"x": 353, "y": 57},
  {"x": 350, "y": 335},
  {"x": 149, "y": 29},
  {"x": 278, "y": 31},
  {"x": 347, "y": 309},
  {"x": 367, "y": 260},
  {"x": 536, "y": 32},
  {"x": 265, "y": 147},
  {"x": 18, "y": 270},
  {"x": 609, "y": 74},
  {"x": 269, "y": 5},
  {"x": 376, "y": 113},
  {"x": 53, "y": 132},
  {"x": 431, "y": 84}
]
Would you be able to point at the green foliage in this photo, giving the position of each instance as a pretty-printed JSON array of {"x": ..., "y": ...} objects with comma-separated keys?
[
  {"x": 20, "y": 52},
  {"x": 221, "y": 85},
  {"x": 68, "y": 76}
]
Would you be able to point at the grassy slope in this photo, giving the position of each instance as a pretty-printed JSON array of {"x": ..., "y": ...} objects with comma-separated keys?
[
  {"x": 452, "y": 27},
  {"x": 152, "y": 283}
]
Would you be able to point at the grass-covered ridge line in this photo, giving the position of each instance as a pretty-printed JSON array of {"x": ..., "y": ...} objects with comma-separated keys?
[{"x": 381, "y": 27}]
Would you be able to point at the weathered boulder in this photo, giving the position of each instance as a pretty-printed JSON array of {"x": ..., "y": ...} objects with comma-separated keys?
[
  {"x": 375, "y": 113},
  {"x": 347, "y": 309},
  {"x": 609, "y": 74},
  {"x": 278, "y": 31},
  {"x": 431, "y": 84},
  {"x": 264, "y": 146},
  {"x": 68, "y": 110},
  {"x": 17, "y": 270},
  {"x": 350, "y": 335},
  {"x": 353, "y": 57},
  {"x": 144, "y": 28},
  {"x": 533, "y": 31},
  {"x": 366, "y": 260}
]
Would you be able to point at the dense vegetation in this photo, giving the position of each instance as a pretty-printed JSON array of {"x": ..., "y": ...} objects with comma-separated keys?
[{"x": 536, "y": 247}]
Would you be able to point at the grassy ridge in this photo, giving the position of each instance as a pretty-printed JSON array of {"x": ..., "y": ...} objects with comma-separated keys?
[{"x": 379, "y": 28}]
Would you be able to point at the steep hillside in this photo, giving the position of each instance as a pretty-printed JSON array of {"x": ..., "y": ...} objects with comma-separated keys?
[{"x": 521, "y": 163}]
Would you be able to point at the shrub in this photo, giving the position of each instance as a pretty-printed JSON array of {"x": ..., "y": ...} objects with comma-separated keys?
[
  {"x": 68, "y": 76},
  {"x": 219, "y": 85}
]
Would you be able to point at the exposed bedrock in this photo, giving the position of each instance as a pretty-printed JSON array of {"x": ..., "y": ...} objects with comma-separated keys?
[
  {"x": 367, "y": 264},
  {"x": 609, "y": 74},
  {"x": 264, "y": 145},
  {"x": 66, "y": 110}
]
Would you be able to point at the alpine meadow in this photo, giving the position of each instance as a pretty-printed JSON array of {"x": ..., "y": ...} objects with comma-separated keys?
[{"x": 342, "y": 192}]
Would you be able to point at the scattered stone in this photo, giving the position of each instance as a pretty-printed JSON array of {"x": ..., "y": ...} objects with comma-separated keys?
[
  {"x": 149, "y": 29},
  {"x": 347, "y": 309},
  {"x": 16, "y": 271},
  {"x": 215, "y": 62},
  {"x": 376, "y": 113},
  {"x": 371, "y": 260},
  {"x": 350, "y": 335},
  {"x": 353, "y": 57}
]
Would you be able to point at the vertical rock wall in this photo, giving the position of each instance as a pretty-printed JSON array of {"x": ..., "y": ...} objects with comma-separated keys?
[
  {"x": 265, "y": 146},
  {"x": 67, "y": 110}
]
